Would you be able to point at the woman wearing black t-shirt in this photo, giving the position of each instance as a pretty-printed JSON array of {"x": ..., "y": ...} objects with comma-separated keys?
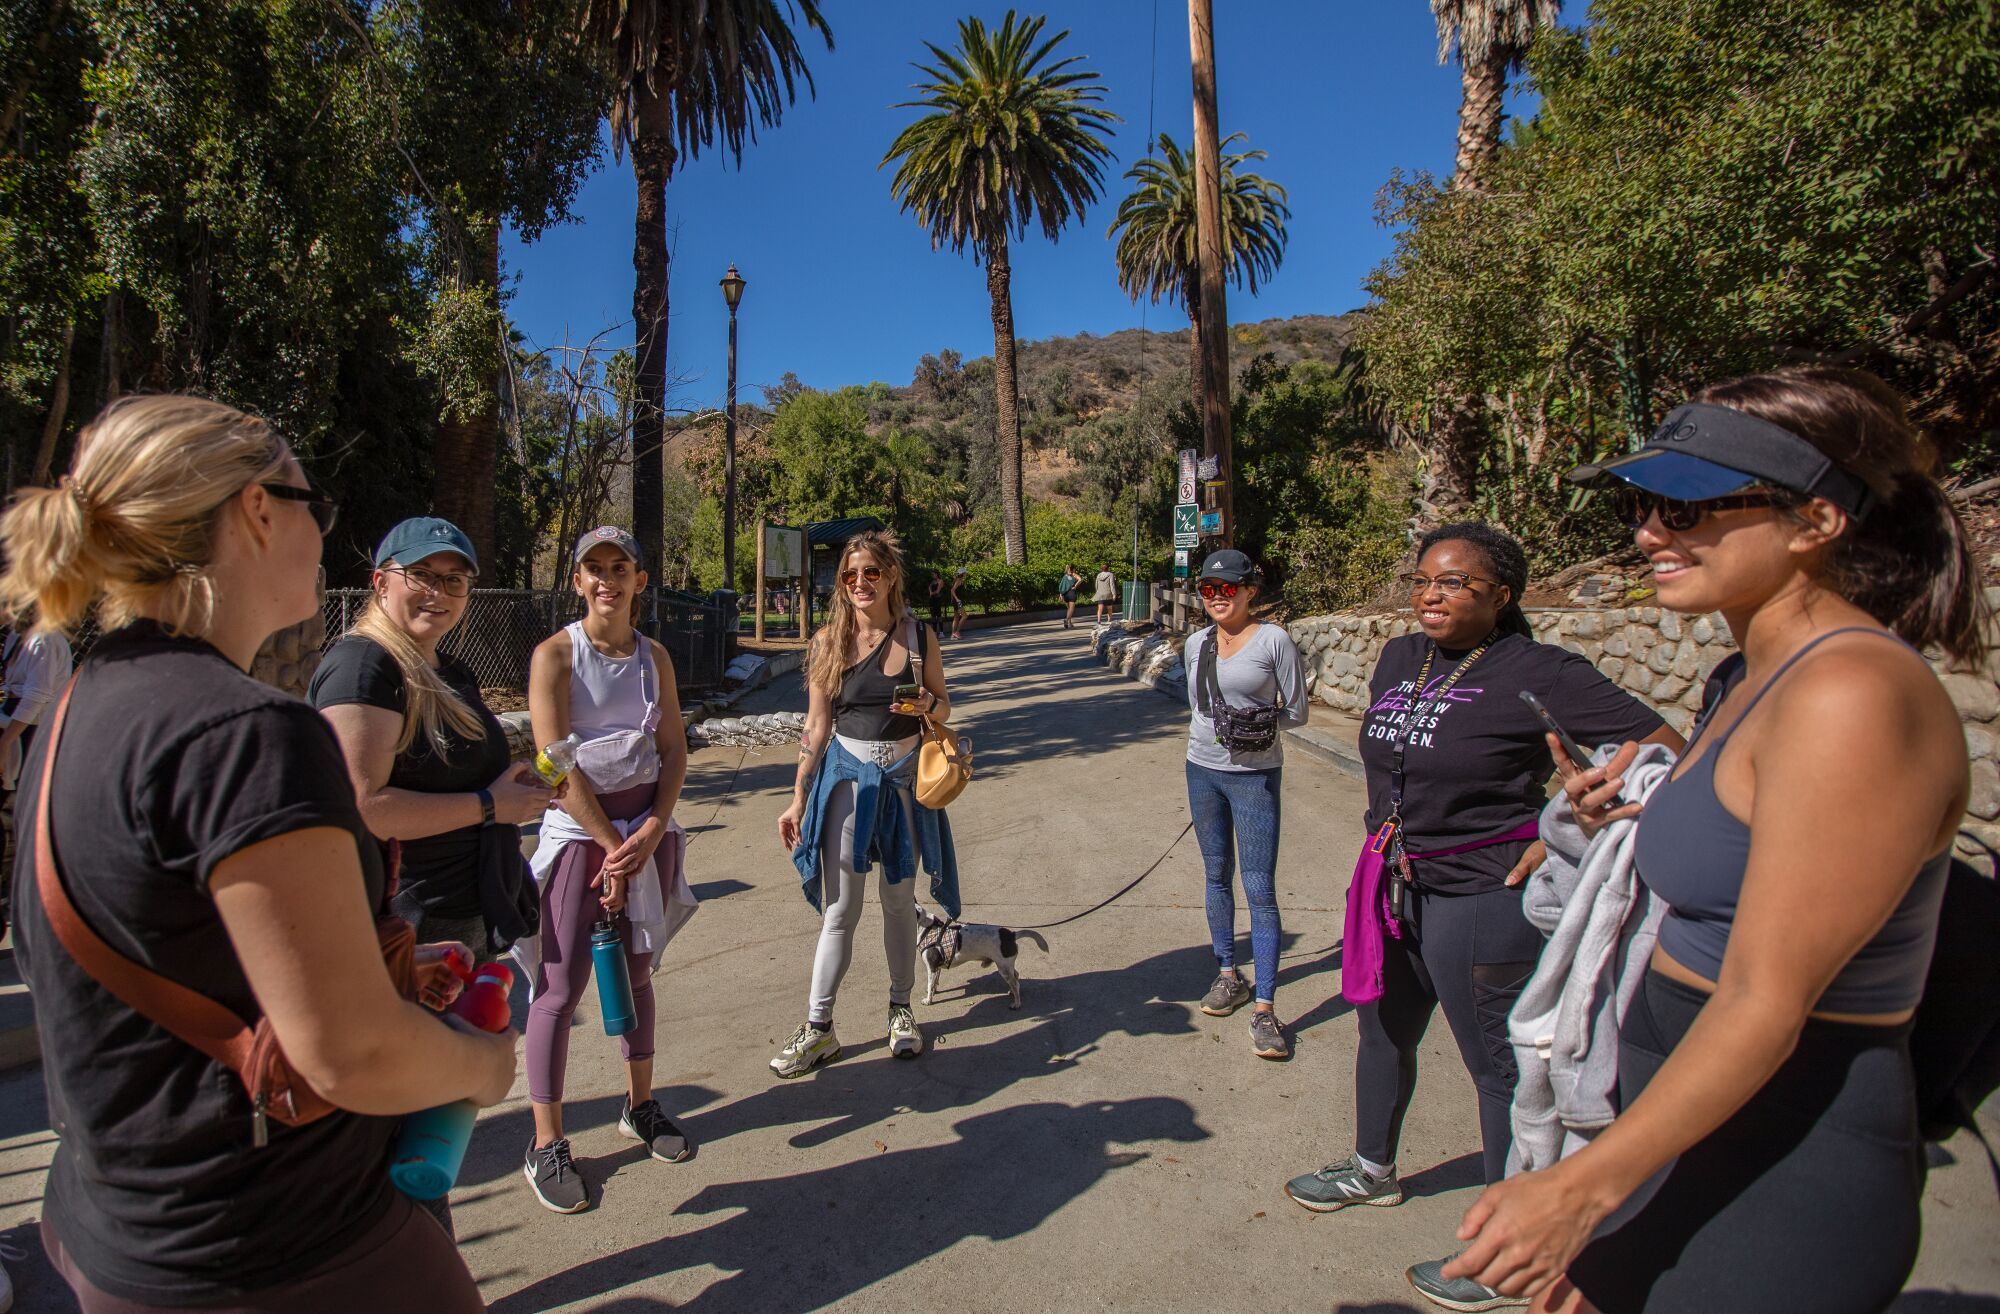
[
  {"x": 428, "y": 760},
  {"x": 203, "y": 826},
  {"x": 1473, "y": 778}
]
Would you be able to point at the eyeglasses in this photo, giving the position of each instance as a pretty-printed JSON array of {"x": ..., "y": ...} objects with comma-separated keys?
[
  {"x": 1635, "y": 506},
  {"x": 323, "y": 511},
  {"x": 873, "y": 574},
  {"x": 1210, "y": 589},
  {"x": 1451, "y": 584},
  {"x": 453, "y": 585}
]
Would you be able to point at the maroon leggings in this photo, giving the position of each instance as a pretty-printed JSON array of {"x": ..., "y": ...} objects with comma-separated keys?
[{"x": 405, "y": 1264}]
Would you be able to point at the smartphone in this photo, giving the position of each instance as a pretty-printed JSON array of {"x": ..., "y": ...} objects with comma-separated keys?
[
  {"x": 907, "y": 694},
  {"x": 1577, "y": 753}
]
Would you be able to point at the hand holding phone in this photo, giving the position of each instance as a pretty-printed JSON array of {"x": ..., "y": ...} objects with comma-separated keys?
[
  {"x": 1577, "y": 752},
  {"x": 906, "y": 696}
]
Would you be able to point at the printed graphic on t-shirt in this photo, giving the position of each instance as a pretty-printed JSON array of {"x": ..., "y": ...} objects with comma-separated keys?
[{"x": 1402, "y": 709}]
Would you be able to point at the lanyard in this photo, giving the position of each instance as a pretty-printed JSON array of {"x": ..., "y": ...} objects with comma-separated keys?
[{"x": 1422, "y": 700}]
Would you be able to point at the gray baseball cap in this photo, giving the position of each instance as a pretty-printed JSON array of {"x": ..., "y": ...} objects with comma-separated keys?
[{"x": 613, "y": 535}]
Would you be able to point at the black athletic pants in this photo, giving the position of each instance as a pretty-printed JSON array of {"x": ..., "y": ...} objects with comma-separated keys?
[{"x": 1470, "y": 953}]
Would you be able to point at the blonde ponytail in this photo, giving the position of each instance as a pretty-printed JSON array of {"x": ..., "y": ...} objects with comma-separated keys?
[{"x": 429, "y": 704}]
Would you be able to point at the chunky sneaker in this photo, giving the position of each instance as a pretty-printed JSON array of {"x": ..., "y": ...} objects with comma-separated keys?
[
  {"x": 1229, "y": 993},
  {"x": 1341, "y": 1184},
  {"x": 905, "y": 1041},
  {"x": 557, "y": 1183},
  {"x": 650, "y": 1124},
  {"x": 1267, "y": 1038},
  {"x": 806, "y": 1050},
  {"x": 1457, "y": 1293}
]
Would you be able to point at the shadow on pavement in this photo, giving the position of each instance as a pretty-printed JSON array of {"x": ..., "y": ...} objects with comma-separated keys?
[
  {"x": 1467, "y": 1170},
  {"x": 915, "y": 1203},
  {"x": 1944, "y": 1302}
]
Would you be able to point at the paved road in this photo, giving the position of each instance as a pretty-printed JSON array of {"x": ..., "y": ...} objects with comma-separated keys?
[{"x": 1106, "y": 1147}]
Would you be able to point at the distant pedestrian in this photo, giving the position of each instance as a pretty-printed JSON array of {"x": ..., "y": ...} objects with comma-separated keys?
[
  {"x": 1106, "y": 596},
  {"x": 958, "y": 602},
  {"x": 1072, "y": 584},
  {"x": 935, "y": 595},
  {"x": 1246, "y": 684},
  {"x": 36, "y": 667}
]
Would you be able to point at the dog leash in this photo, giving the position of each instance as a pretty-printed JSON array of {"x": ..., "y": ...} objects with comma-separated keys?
[{"x": 1130, "y": 886}]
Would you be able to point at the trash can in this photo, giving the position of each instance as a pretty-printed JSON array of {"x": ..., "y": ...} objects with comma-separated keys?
[{"x": 1138, "y": 602}]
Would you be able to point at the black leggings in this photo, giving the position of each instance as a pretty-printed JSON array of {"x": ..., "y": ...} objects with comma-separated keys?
[
  {"x": 1806, "y": 1199},
  {"x": 1471, "y": 953}
]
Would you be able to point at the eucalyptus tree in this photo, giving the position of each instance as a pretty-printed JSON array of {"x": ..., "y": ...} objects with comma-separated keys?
[
  {"x": 1155, "y": 228},
  {"x": 1011, "y": 137},
  {"x": 684, "y": 73}
]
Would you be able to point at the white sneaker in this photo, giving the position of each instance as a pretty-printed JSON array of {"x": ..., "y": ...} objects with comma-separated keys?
[
  {"x": 12, "y": 1255},
  {"x": 905, "y": 1041},
  {"x": 806, "y": 1050}
]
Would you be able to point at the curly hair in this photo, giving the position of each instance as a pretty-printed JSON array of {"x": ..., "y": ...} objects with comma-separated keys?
[{"x": 1504, "y": 557}]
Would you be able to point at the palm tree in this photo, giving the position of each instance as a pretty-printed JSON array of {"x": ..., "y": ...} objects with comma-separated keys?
[
  {"x": 1493, "y": 39},
  {"x": 1010, "y": 138},
  {"x": 684, "y": 71},
  {"x": 1156, "y": 249}
]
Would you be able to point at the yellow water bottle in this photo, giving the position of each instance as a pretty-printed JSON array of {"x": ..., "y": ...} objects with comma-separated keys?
[{"x": 554, "y": 763}]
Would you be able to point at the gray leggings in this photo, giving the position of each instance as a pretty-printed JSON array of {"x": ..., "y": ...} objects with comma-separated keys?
[{"x": 840, "y": 895}]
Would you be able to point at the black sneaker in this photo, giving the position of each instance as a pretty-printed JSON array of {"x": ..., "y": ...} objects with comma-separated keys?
[
  {"x": 557, "y": 1183},
  {"x": 650, "y": 1124}
]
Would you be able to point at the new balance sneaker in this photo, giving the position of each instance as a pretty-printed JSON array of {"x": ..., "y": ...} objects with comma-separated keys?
[
  {"x": 905, "y": 1041},
  {"x": 554, "y": 1177},
  {"x": 650, "y": 1125},
  {"x": 1341, "y": 1184},
  {"x": 1229, "y": 993},
  {"x": 1457, "y": 1293},
  {"x": 806, "y": 1050},
  {"x": 1267, "y": 1038}
]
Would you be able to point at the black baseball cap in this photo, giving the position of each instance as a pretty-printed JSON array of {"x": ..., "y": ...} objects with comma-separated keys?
[
  {"x": 1702, "y": 451},
  {"x": 1229, "y": 566}
]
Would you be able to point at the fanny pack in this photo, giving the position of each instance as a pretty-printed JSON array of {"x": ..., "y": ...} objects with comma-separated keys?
[
  {"x": 626, "y": 758},
  {"x": 1251, "y": 728}
]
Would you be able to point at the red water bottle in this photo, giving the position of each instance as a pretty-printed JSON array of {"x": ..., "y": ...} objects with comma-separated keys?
[{"x": 431, "y": 1146}]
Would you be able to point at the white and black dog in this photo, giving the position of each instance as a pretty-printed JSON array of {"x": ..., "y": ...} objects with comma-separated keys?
[{"x": 945, "y": 943}]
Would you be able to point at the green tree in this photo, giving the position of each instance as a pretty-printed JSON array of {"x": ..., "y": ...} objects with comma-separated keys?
[
  {"x": 1156, "y": 233},
  {"x": 1011, "y": 137},
  {"x": 1493, "y": 38},
  {"x": 684, "y": 72}
]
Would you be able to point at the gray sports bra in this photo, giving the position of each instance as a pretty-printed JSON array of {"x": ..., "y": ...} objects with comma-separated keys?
[{"x": 1692, "y": 853}]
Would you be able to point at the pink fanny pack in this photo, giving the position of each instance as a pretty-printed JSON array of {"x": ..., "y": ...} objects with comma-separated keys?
[{"x": 1369, "y": 926}]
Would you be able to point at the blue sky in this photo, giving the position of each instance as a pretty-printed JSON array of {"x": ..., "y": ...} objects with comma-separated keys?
[{"x": 844, "y": 288}]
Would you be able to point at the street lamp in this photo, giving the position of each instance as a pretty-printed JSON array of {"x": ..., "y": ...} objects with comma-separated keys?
[{"x": 732, "y": 292}]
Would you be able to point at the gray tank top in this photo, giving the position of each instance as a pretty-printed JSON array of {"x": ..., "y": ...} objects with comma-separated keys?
[{"x": 1692, "y": 853}]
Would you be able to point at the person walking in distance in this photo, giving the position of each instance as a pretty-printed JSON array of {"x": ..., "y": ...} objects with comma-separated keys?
[
  {"x": 1246, "y": 685},
  {"x": 200, "y": 826},
  {"x": 1767, "y": 1156},
  {"x": 607, "y": 841},
  {"x": 1106, "y": 595},
  {"x": 871, "y": 675},
  {"x": 1072, "y": 584},
  {"x": 958, "y": 603}
]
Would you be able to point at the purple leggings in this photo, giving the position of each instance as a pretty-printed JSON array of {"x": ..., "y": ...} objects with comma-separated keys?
[{"x": 569, "y": 910}]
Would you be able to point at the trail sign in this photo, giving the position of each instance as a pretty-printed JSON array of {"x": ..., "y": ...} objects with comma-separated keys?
[
  {"x": 1180, "y": 563},
  {"x": 1186, "y": 518},
  {"x": 1211, "y": 524},
  {"x": 1188, "y": 458}
]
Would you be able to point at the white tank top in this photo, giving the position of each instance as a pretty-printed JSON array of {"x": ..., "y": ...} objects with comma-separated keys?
[{"x": 609, "y": 695}]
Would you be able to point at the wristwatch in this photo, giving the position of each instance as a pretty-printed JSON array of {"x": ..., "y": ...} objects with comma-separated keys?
[{"x": 485, "y": 806}]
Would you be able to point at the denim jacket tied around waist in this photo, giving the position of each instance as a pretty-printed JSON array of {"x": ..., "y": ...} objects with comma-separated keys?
[{"x": 879, "y": 833}]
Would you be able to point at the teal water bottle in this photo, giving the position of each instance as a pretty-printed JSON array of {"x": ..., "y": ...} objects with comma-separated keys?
[
  {"x": 430, "y": 1148},
  {"x": 614, "y": 980}
]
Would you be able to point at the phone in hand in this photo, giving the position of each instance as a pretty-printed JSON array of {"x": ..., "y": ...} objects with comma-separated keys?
[
  {"x": 906, "y": 695},
  {"x": 1577, "y": 752}
]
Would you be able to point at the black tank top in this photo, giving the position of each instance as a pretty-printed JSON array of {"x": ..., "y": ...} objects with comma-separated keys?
[{"x": 861, "y": 709}]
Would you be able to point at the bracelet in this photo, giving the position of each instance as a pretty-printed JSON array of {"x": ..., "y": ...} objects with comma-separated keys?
[{"x": 485, "y": 806}]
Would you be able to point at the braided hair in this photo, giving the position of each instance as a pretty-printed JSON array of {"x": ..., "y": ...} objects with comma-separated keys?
[{"x": 1504, "y": 557}]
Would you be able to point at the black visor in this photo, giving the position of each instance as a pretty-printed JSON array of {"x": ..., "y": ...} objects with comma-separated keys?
[{"x": 1703, "y": 451}]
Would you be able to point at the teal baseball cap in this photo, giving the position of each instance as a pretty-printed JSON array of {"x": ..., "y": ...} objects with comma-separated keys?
[{"x": 423, "y": 536}]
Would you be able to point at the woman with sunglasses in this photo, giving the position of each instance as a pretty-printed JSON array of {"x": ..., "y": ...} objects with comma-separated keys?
[
  {"x": 1457, "y": 772},
  {"x": 1767, "y": 1156},
  {"x": 202, "y": 825},
  {"x": 873, "y": 672},
  {"x": 1233, "y": 785},
  {"x": 428, "y": 760}
]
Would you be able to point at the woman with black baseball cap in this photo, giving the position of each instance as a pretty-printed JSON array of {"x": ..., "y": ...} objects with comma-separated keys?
[{"x": 1767, "y": 1156}]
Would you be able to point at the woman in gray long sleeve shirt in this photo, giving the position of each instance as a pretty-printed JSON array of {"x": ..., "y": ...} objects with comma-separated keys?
[{"x": 1233, "y": 792}]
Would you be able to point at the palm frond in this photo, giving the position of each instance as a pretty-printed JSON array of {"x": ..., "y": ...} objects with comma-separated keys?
[
  {"x": 1156, "y": 229},
  {"x": 1486, "y": 28}
]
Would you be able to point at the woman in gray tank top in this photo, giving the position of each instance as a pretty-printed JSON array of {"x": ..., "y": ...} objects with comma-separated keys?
[{"x": 1764, "y": 1070}]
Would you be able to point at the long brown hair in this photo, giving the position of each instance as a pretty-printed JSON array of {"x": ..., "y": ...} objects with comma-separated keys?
[
  {"x": 1906, "y": 562},
  {"x": 830, "y": 645}
]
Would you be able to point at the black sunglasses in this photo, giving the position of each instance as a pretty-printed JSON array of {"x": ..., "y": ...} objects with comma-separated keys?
[
  {"x": 1635, "y": 506},
  {"x": 324, "y": 513}
]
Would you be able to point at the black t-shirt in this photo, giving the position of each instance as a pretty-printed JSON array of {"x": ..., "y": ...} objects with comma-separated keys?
[
  {"x": 1477, "y": 766},
  {"x": 441, "y": 872},
  {"x": 171, "y": 761}
]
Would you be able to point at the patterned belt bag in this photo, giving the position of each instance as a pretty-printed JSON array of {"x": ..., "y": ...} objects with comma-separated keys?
[{"x": 1252, "y": 728}]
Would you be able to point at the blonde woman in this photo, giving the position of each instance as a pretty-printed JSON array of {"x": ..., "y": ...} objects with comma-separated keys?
[
  {"x": 854, "y": 805},
  {"x": 428, "y": 760},
  {"x": 203, "y": 825}
]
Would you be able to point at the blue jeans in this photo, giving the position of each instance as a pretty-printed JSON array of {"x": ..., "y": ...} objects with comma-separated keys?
[{"x": 1236, "y": 814}]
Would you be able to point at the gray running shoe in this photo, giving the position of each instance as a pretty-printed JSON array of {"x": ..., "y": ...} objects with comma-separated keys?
[
  {"x": 1457, "y": 1293},
  {"x": 650, "y": 1125},
  {"x": 905, "y": 1041},
  {"x": 1341, "y": 1184},
  {"x": 1267, "y": 1038},
  {"x": 806, "y": 1050},
  {"x": 1229, "y": 993},
  {"x": 555, "y": 1180}
]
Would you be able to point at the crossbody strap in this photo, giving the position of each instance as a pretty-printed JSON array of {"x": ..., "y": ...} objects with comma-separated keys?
[{"x": 194, "y": 1018}]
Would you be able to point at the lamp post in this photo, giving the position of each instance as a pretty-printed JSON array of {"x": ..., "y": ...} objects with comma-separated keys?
[{"x": 732, "y": 292}]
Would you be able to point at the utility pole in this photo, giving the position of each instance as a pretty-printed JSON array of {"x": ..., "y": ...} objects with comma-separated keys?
[{"x": 1215, "y": 438}]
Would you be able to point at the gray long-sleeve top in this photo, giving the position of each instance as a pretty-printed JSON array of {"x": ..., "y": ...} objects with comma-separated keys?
[{"x": 1266, "y": 669}]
